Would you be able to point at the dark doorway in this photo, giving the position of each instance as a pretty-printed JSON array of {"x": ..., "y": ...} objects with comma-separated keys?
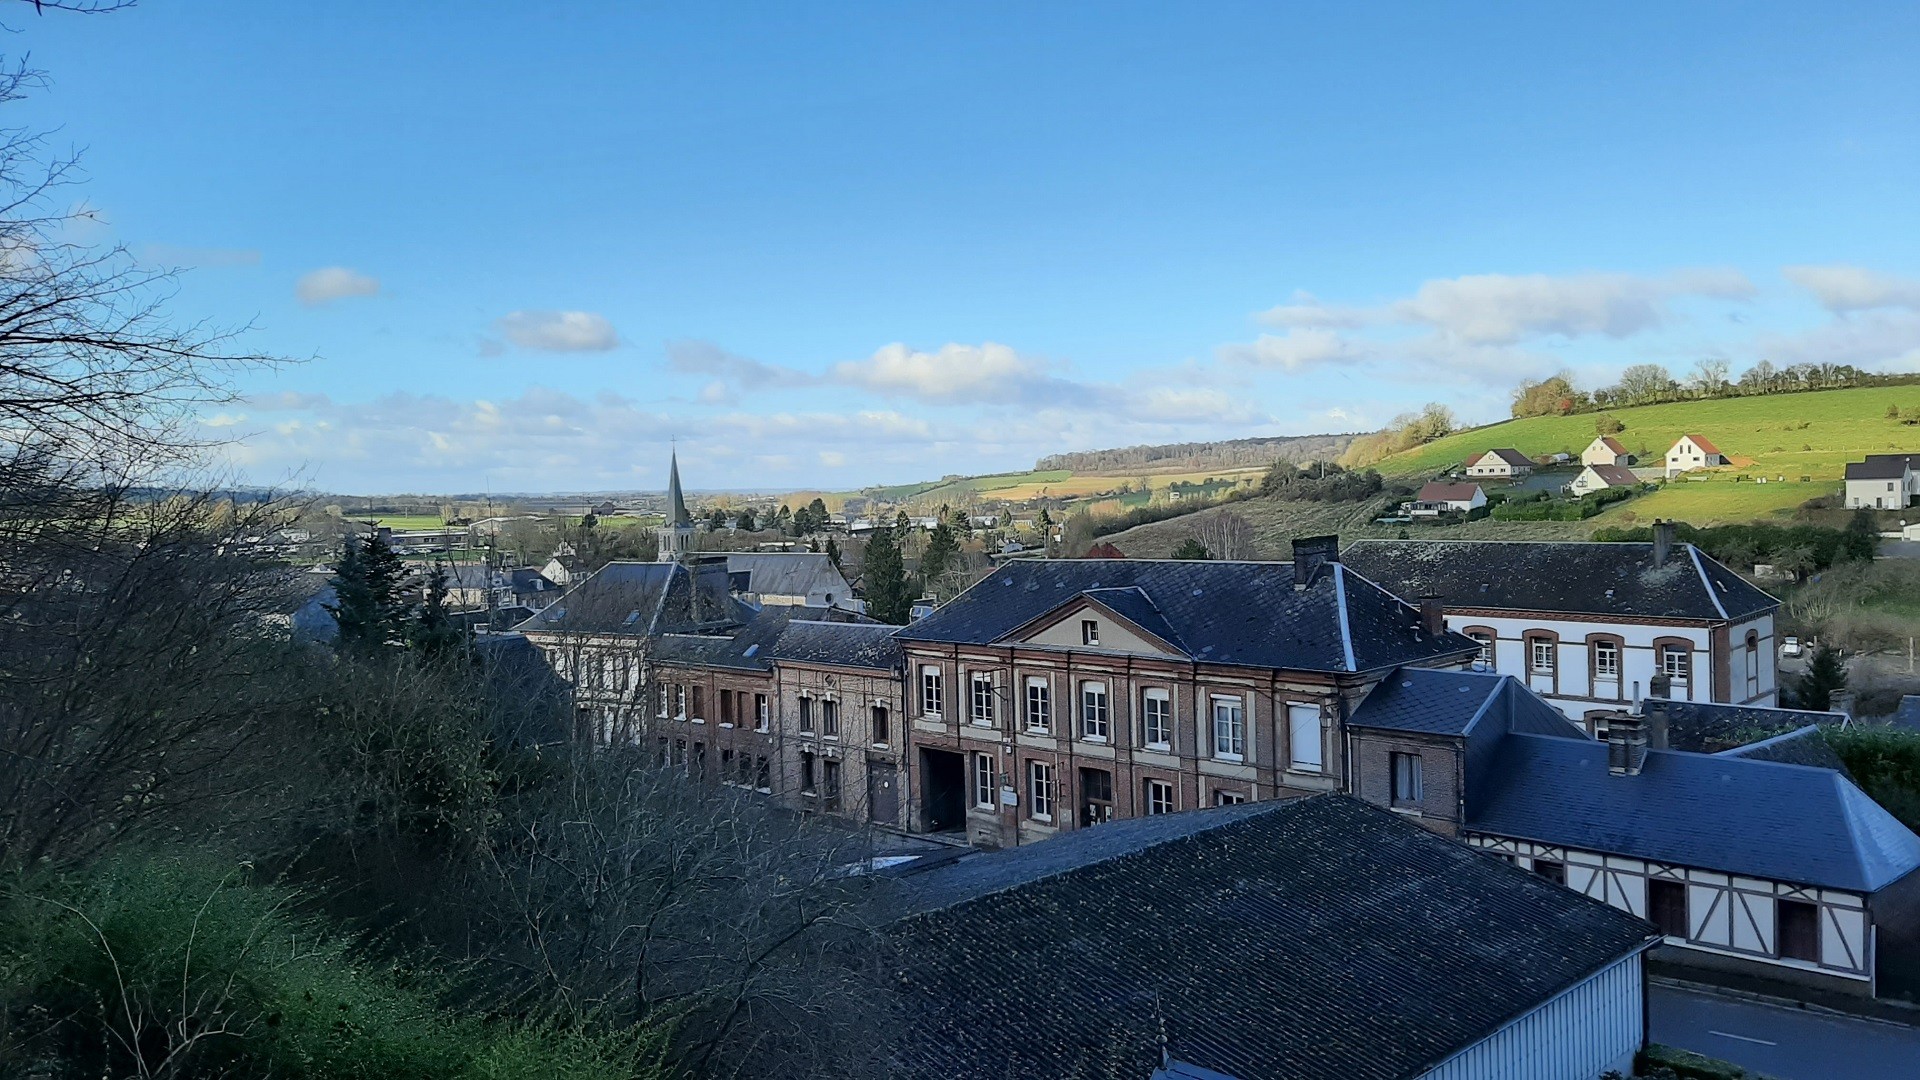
[
  {"x": 943, "y": 790},
  {"x": 883, "y": 792}
]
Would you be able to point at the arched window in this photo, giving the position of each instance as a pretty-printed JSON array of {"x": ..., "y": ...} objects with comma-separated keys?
[{"x": 1753, "y": 664}]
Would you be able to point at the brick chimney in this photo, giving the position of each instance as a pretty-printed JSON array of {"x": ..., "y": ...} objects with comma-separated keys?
[
  {"x": 1433, "y": 618},
  {"x": 1626, "y": 743},
  {"x": 1662, "y": 544},
  {"x": 1310, "y": 553},
  {"x": 1660, "y": 686},
  {"x": 1658, "y": 727}
]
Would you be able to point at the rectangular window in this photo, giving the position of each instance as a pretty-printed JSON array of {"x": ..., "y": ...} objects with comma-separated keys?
[
  {"x": 1486, "y": 646},
  {"x": 1089, "y": 632},
  {"x": 1040, "y": 790},
  {"x": 806, "y": 773},
  {"x": 699, "y": 703},
  {"x": 830, "y": 772},
  {"x": 1753, "y": 665},
  {"x": 982, "y": 686},
  {"x": 806, "y": 715},
  {"x": 1675, "y": 662},
  {"x": 762, "y": 715},
  {"x": 1093, "y": 712},
  {"x": 1156, "y": 720},
  {"x": 680, "y": 753},
  {"x": 930, "y": 691},
  {"x": 1407, "y": 784},
  {"x": 679, "y": 702},
  {"x": 880, "y": 732},
  {"x": 1540, "y": 655},
  {"x": 660, "y": 691},
  {"x": 1667, "y": 906},
  {"x": 1096, "y": 796},
  {"x": 1305, "y": 748},
  {"x": 1798, "y": 925},
  {"x": 1606, "y": 660},
  {"x": 762, "y": 773},
  {"x": 1228, "y": 798},
  {"x": 1039, "y": 705},
  {"x": 726, "y": 706},
  {"x": 1159, "y": 796},
  {"x": 1551, "y": 869},
  {"x": 830, "y": 718},
  {"x": 983, "y": 787},
  {"x": 1229, "y": 729}
]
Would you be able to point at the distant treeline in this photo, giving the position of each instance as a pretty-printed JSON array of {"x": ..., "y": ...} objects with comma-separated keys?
[
  {"x": 1225, "y": 454},
  {"x": 1652, "y": 384}
]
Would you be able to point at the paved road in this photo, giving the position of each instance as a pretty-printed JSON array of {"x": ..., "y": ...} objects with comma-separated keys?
[{"x": 1793, "y": 1044}]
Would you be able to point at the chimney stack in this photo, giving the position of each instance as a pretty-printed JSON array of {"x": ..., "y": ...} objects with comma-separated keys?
[
  {"x": 1660, "y": 686},
  {"x": 1433, "y": 619},
  {"x": 1626, "y": 743},
  {"x": 1310, "y": 553},
  {"x": 1662, "y": 544},
  {"x": 1658, "y": 728}
]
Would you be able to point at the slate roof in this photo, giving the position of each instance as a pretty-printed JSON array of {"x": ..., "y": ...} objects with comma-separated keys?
[
  {"x": 1435, "y": 491},
  {"x": 1563, "y": 577},
  {"x": 1615, "y": 475},
  {"x": 808, "y": 640},
  {"x": 1701, "y": 442},
  {"x": 1310, "y": 939},
  {"x": 1763, "y": 819},
  {"x": 783, "y": 573},
  {"x": 1806, "y": 746},
  {"x": 1240, "y": 613},
  {"x": 1443, "y": 701},
  {"x": 1882, "y": 466},
  {"x": 1506, "y": 454},
  {"x": 1709, "y": 727},
  {"x": 642, "y": 598}
]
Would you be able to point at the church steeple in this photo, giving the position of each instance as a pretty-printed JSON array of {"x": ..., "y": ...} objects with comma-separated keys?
[{"x": 676, "y": 539}]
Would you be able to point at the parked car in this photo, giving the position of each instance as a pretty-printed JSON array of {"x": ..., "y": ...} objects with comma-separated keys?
[{"x": 1790, "y": 646}]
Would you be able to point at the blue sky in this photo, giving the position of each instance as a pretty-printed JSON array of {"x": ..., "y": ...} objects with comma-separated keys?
[{"x": 523, "y": 246}]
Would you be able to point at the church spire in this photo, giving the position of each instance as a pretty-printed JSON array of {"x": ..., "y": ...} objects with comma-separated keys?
[
  {"x": 676, "y": 538},
  {"x": 676, "y": 503}
]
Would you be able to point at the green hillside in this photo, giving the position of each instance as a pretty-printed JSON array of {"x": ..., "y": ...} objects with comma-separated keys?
[{"x": 1793, "y": 435}]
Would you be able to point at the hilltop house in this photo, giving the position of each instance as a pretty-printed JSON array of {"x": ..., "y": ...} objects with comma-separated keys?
[
  {"x": 1765, "y": 858},
  {"x": 1504, "y": 464},
  {"x": 1438, "y": 498},
  {"x": 1693, "y": 452},
  {"x": 1055, "y": 695},
  {"x": 1606, "y": 450},
  {"x": 1601, "y": 477},
  {"x": 1588, "y": 625},
  {"x": 1883, "y": 481},
  {"x": 1310, "y": 939}
]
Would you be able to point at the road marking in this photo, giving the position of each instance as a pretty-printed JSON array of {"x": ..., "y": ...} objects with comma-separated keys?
[{"x": 1743, "y": 1038}]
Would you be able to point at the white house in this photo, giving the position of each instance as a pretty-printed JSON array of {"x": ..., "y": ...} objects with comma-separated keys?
[
  {"x": 1588, "y": 625},
  {"x": 1693, "y": 452},
  {"x": 1601, "y": 477},
  {"x": 1883, "y": 482},
  {"x": 1503, "y": 464},
  {"x": 1605, "y": 450},
  {"x": 1436, "y": 498}
]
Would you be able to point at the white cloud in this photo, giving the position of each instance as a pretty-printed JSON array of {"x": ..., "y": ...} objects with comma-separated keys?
[
  {"x": 1876, "y": 340},
  {"x": 1842, "y": 289},
  {"x": 330, "y": 283},
  {"x": 559, "y": 331},
  {"x": 954, "y": 374},
  {"x": 832, "y": 459},
  {"x": 1296, "y": 349}
]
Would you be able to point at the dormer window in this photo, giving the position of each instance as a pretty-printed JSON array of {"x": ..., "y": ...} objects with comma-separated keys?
[{"x": 1089, "y": 632}]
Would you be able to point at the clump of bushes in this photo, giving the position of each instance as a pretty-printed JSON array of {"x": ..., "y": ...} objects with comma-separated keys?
[
  {"x": 1321, "y": 483},
  {"x": 1807, "y": 547},
  {"x": 1539, "y": 507}
]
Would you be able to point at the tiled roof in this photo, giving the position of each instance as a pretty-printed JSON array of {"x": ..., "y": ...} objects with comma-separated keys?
[
  {"x": 1882, "y": 466},
  {"x": 1788, "y": 823},
  {"x": 1565, "y": 577},
  {"x": 1613, "y": 444},
  {"x": 1440, "y": 701},
  {"x": 1709, "y": 727},
  {"x": 1615, "y": 475},
  {"x": 1701, "y": 442},
  {"x": 1312, "y": 939},
  {"x": 1435, "y": 491},
  {"x": 1240, "y": 613},
  {"x": 809, "y": 640},
  {"x": 642, "y": 598},
  {"x": 1104, "y": 550}
]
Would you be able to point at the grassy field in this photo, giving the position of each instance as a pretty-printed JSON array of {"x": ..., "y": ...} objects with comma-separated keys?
[
  {"x": 412, "y": 522},
  {"x": 1790, "y": 435},
  {"x": 1276, "y": 522}
]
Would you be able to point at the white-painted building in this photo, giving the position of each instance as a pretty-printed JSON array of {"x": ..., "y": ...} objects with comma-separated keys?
[
  {"x": 1883, "y": 482},
  {"x": 1437, "y": 498},
  {"x": 1693, "y": 452},
  {"x": 1601, "y": 477},
  {"x": 1588, "y": 625},
  {"x": 1606, "y": 450},
  {"x": 1502, "y": 464}
]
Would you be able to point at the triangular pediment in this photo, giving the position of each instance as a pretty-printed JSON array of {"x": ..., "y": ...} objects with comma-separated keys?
[{"x": 1128, "y": 624}]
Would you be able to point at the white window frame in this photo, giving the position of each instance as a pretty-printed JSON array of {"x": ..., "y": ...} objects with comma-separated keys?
[
  {"x": 679, "y": 701},
  {"x": 931, "y": 691},
  {"x": 1602, "y": 667},
  {"x": 1040, "y": 790},
  {"x": 985, "y": 790},
  {"x": 980, "y": 699},
  {"x": 1159, "y": 797},
  {"x": 1543, "y": 656},
  {"x": 1229, "y": 716},
  {"x": 1681, "y": 672},
  {"x": 762, "y": 712},
  {"x": 1752, "y": 648},
  {"x": 1486, "y": 642},
  {"x": 829, "y": 718},
  {"x": 1156, "y": 724},
  {"x": 1095, "y": 701},
  {"x": 1223, "y": 797},
  {"x": 1090, "y": 633},
  {"x": 1308, "y": 720},
  {"x": 1039, "y": 704}
]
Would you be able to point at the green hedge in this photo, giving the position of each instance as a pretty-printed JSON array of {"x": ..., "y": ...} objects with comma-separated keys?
[{"x": 1687, "y": 1065}]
